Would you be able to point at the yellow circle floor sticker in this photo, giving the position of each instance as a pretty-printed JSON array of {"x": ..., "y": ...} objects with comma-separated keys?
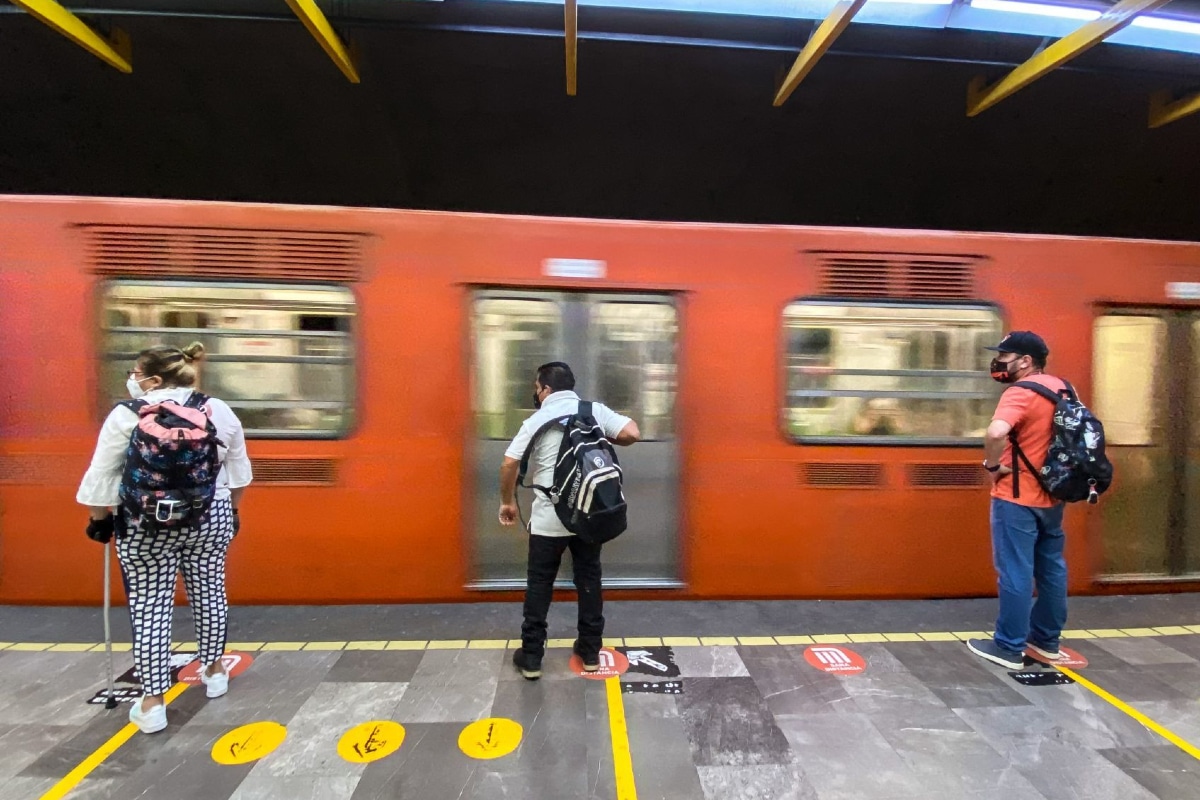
[
  {"x": 371, "y": 741},
  {"x": 248, "y": 743},
  {"x": 490, "y": 738}
]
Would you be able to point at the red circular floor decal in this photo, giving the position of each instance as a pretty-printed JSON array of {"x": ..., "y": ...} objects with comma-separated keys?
[
  {"x": 1073, "y": 660},
  {"x": 831, "y": 658},
  {"x": 612, "y": 664},
  {"x": 235, "y": 664}
]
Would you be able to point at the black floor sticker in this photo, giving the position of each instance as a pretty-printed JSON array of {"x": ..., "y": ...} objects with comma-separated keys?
[
  {"x": 1040, "y": 678},
  {"x": 653, "y": 687},
  {"x": 658, "y": 661}
]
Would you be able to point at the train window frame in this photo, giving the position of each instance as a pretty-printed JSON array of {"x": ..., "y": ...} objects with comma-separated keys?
[
  {"x": 785, "y": 373},
  {"x": 348, "y": 408}
]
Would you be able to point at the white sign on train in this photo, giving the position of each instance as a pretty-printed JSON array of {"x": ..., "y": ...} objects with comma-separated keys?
[
  {"x": 574, "y": 268},
  {"x": 1183, "y": 291}
]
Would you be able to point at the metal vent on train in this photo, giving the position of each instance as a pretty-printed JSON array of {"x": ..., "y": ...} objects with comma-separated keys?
[
  {"x": 120, "y": 250},
  {"x": 835, "y": 474},
  {"x": 926, "y": 476},
  {"x": 898, "y": 275},
  {"x": 305, "y": 471}
]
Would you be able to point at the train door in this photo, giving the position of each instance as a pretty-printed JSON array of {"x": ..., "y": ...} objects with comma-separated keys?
[
  {"x": 1147, "y": 384},
  {"x": 622, "y": 349}
]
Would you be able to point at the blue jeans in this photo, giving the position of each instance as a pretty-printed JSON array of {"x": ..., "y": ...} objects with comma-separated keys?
[{"x": 1027, "y": 547}]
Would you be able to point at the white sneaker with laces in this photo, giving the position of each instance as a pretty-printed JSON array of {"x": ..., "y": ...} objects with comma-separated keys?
[
  {"x": 215, "y": 685},
  {"x": 149, "y": 721}
]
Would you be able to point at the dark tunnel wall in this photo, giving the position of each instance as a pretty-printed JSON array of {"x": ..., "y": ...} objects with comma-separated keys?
[{"x": 255, "y": 111}]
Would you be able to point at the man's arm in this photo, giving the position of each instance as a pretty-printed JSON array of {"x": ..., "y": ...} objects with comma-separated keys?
[
  {"x": 993, "y": 445},
  {"x": 508, "y": 490},
  {"x": 628, "y": 435}
]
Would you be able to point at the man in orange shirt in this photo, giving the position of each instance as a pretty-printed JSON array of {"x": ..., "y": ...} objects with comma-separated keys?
[{"x": 1027, "y": 533}]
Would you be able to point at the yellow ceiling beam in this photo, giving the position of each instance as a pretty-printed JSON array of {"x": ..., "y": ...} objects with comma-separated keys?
[
  {"x": 115, "y": 52},
  {"x": 820, "y": 42},
  {"x": 314, "y": 19},
  {"x": 1164, "y": 110},
  {"x": 571, "y": 28},
  {"x": 981, "y": 96}
]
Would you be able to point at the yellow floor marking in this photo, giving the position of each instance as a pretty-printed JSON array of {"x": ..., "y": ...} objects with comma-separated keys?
[
  {"x": 622, "y": 758},
  {"x": 1173, "y": 630},
  {"x": 490, "y": 738},
  {"x": 5, "y": 645},
  {"x": 325, "y": 646},
  {"x": 1179, "y": 742},
  {"x": 681, "y": 641},
  {"x": 186, "y": 647},
  {"x": 1139, "y": 631},
  {"x": 1193, "y": 628},
  {"x": 274, "y": 646},
  {"x": 248, "y": 743},
  {"x": 30, "y": 647},
  {"x": 831, "y": 638},
  {"x": 1107, "y": 633},
  {"x": 366, "y": 645},
  {"x": 643, "y": 641},
  {"x": 710, "y": 641},
  {"x": 245, "y": 647},
  {"x": 413, "y": 644},
  {"x": 555, "y": 644},
  {"x": 962, "y": 636},
  {"x": 517, "y": 644},
  {"x": 755, "y": 641},
  {"x": 1080, "y": 634},
  {"x": 903, "y": 637},
  {"x": 938, "y": 636},
  {"x": 71, "y": 647},
  {"x": 614, "y": 642},
  {"x": 447, "y": 644},
  {"x": 72, "y": 778},
  {"x": 371, "y": 741},
  {"x": 794, "y": 639},
  {"x": 487, "y": 644},
  {"x": 867, "y": 637}
]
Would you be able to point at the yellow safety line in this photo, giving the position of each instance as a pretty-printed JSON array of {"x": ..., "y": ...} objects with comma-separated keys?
[
  {"x": 72, "y": 778},
  {"x": 1181, "y": 743},
  {"x": 622, "y": 759}
]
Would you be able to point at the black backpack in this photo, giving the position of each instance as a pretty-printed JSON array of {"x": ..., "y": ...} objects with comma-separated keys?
[
  {"x": 586, "y": 489},
  {"x": 1076, "y": 467}
]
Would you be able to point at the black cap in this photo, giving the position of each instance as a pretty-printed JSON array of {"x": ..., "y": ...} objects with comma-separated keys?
[{"x": 1025, "y": 343}]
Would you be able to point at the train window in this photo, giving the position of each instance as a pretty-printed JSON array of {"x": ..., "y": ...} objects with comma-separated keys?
[
  {"x": 888, "y": 374},
  {"x": 1129, "y": 350},
  {"x": 281, "y": 356},
  {"x": 513, "y": 337},
  {"x": 635, "y": 363}
]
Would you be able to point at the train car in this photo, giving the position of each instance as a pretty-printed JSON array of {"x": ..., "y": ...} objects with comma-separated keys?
[{"x": 812, "y": 399}]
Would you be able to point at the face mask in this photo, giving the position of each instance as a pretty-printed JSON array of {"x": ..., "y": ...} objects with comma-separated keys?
[
  {"x": 536, "y": 402},
  {"x": 134, "y": 387},
  {"x": 1002, "y": 372}
]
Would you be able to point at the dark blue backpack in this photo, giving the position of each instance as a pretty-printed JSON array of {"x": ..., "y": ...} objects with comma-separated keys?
[{"x": 1076, "y": 467}]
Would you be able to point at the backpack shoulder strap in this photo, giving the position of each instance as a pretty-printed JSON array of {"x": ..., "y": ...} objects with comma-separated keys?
[
  {"x": 133, "y": 405},
  {"x": 533, "y": 440},
  {"x": 585, "y": 409},
  {"x": 1037, "y": 388},
  {"x": 196, "y": 400}
]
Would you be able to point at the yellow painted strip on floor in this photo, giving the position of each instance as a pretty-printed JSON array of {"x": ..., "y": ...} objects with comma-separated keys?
[
  {"x": 516, "y": 644},
  {"x": 30, "y": 647},
  {"x": 831, "y": 638},
  {"x": 1179, "y": 742},
  {"x": 487, "y": 644},
  {"x": 186, "y": 647},
  {"x": 643, "y": 641},
  {"x": 72, "y": 778},
  {"x": 1193, "y": 628},
  {"x": 556, "y": 644},
  {"x": 447, "y": 644},
  {"x": 5, "y": 645},
  {"x": 962, "y": 636},
  {"x": 622, "y": 758},
  {"x": 903, "y": 637},
  {"x": 407, "y": 644},
  {"x": 1107, "y": 633},
  {"x": 681, "y": 641},
  {"x": 755, "y": 641},
  {"x": 714, "y": 641},
  {"x": 939, "y": 636},
  {"x": 863, "y": 638},
  {"x": 366, "y": 645},
  {"x": 270, "y": 646},
  {"x": 1139, "y": 631},
  {"x": 1172, "y": 630},
  {"x": 1080, "y": 634},
  {"x": 325, "y": 646},
  {"x": 245, "y": 647},
  {"x": 71, "y": 647},
  {"x": 794, "y": 639},
  {"x": 613, "y": 642}
]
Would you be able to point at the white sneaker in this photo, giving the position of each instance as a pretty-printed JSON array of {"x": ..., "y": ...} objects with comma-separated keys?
[
  {"x": 1049, "y": 655},
  {"x": 215, "y": 685},
  {"x": 151, "y": 721}
]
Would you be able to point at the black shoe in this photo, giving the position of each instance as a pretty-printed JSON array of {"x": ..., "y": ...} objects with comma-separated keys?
[
  {"x": 529, "y": 667},
  {"x": 591, "y": 661},
  {"x": 987, "y": 648}
]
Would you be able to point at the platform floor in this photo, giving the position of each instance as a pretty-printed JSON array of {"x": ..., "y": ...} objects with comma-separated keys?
[{"x": 710, "y": 712}]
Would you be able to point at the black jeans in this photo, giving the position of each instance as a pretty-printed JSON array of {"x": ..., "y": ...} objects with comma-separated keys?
[{"x": 545, "y": 554}]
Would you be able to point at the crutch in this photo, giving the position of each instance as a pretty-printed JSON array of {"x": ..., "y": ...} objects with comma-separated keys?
[{"x": 111, "y": 703}]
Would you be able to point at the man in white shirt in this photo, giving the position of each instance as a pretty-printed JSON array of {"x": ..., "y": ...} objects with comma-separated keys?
[{"x": 554, "y": 397}]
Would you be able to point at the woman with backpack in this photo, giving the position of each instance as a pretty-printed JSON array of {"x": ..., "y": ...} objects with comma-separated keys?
[{"x": 173, "y": 465}]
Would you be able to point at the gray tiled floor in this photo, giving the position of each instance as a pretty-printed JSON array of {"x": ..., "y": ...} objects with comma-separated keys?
[{"x": 924, "y": 720}]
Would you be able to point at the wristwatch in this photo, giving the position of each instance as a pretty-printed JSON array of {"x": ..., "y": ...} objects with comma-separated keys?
[{"x": 990, "y": 469}]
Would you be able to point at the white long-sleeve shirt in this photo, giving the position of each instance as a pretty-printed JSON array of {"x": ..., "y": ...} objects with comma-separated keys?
[{"x": 102, "y": 482}]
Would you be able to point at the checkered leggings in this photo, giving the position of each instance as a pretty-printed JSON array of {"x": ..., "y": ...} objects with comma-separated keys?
[{"x": 150, "y": 563}]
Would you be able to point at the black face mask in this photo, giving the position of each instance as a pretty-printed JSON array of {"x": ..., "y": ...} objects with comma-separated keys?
[
  {"x": 1002, "y": 372},
  {"x": 536, "y": 402}
]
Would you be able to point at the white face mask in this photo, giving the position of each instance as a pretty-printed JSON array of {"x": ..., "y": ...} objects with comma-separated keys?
[{"x": 134, "y": 387}]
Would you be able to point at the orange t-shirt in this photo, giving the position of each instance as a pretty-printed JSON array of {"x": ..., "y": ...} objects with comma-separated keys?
[{"x": 1031, "y": 416}]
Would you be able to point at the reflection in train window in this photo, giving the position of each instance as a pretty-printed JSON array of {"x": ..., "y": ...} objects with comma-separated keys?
[
  {"x": 281, "y": 356},
  {"x": 513, "y": 337},
  {"x": 635, "y": 350},
  {"x": 895, "y": 374}
]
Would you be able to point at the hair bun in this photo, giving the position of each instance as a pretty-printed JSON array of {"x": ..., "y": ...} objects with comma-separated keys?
[{"x": 193, "y": 351}]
